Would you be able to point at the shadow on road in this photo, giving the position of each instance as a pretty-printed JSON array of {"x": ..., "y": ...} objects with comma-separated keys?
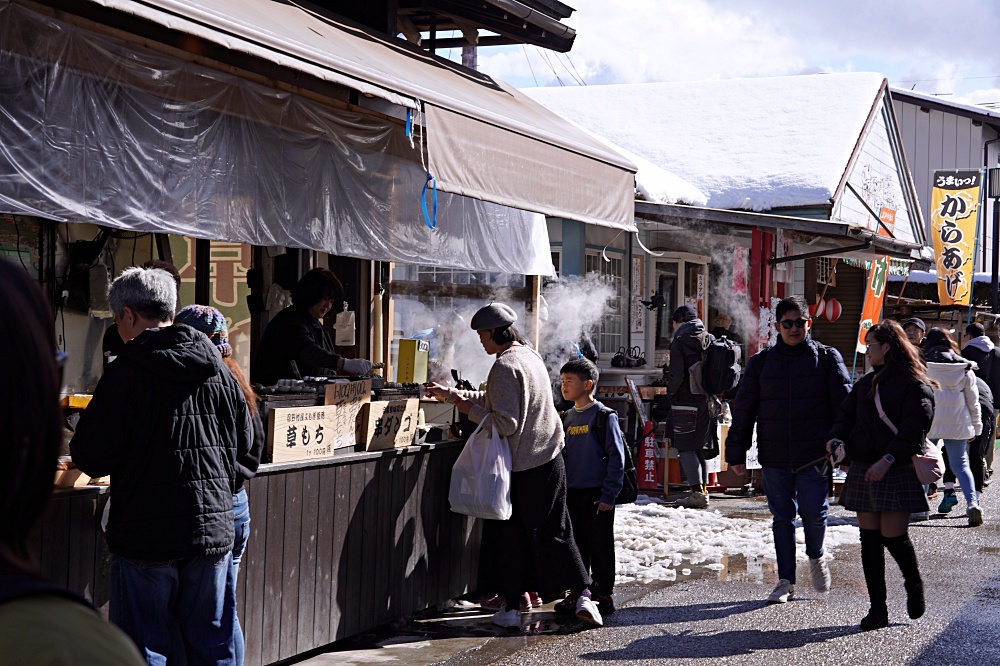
[
  {"x": 639, "y": 615},
  {"x": 690, "y": 645}
]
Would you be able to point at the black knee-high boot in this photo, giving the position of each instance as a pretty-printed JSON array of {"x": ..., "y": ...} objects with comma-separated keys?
[
  {"x": 873, "y": 563},
  {"x": 901, "y": 549}
]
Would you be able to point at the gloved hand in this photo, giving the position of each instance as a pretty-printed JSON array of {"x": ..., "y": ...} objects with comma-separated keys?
[{"x": 357, "y": 366}]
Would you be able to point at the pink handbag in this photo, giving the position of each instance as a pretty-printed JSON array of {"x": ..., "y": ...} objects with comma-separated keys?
[{"x": 928, "y": 465}]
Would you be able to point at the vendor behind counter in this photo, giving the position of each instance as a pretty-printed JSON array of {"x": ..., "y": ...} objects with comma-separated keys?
[{"x": 297, "y": 334}]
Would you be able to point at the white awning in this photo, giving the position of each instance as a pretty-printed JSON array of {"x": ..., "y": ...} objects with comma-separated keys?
[{"x": 485, "y": 139}]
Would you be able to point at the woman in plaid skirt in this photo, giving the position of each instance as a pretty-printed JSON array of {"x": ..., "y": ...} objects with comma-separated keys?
[{"x": 881, "y": 485}]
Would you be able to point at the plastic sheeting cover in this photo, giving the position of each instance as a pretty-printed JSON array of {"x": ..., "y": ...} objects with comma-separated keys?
[{"x": 93, "y": 129}]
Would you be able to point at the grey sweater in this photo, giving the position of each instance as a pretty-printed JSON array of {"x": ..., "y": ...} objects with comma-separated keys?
[{"x": 518, "y": 401}]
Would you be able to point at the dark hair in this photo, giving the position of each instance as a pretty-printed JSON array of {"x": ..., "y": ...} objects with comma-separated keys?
[
  {"x": 902, "y": 354},
  {"x": 30, "y": 417},
  {"x": 938, "y": 337},
  {"x": 165, "y": 266},
  {"x": 248, "y": 393},
  {"x": 505, "y": 334},
  {"x": 582, "y": 368},
  {"x": 789, "y": 304},
  {"x": 314, "y": 286},
  {"x": 975, "y": 330}
]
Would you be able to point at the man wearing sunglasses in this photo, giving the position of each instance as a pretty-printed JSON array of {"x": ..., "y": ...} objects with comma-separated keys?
[{"x": 792, "y": 391}]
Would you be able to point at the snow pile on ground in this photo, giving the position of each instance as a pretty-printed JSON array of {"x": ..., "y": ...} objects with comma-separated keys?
[
  {"x": 754, "y": 144},
  {"x": 652, "y": 539}
]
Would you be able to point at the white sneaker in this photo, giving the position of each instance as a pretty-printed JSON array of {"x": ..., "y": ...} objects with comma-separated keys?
[
  {"x": 783, "y": 591},
  {"x": 587, "y": 611},
  {"x": 507, "y": 618},
  {"x": 975, "y": 514},
  {"x": 820, "y": 572}
]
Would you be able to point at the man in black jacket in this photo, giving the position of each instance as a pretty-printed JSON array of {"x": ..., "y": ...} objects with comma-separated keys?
[
  {"x": 167, "y": 422},
  {"x": 694, "y": 425},
  {"x": 793, "y": 391}
]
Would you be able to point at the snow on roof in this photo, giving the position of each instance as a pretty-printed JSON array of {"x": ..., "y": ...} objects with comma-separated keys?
[
  {"x": 930, "y": 277},
  {"x": 753, "y": 144},
  {"x": 653, "y": 183},
  {"x": 902, "y": 94}
]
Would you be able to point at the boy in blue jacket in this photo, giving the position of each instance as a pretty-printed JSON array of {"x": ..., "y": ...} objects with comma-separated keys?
[{"x": 595, "y": 464}]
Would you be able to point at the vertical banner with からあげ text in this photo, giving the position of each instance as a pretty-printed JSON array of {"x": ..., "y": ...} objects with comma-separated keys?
[{"x": 954, "y": 214}]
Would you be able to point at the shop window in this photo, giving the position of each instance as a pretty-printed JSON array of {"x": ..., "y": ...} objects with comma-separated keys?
[
  {"x": 826, "y": 272},
  {"x": 611, "y": 334},
  {"x": 436, "y": 304}
]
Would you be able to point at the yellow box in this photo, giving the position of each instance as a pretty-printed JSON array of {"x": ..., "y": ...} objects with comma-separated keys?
[{"x": 412, "y": 365}]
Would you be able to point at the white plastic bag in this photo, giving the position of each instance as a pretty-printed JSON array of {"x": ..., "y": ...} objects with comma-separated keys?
[{"x": 480, "y": 478}]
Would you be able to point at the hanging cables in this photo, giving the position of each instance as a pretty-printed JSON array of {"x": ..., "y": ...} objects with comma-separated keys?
[
  {"x": 578, "y": 77},
  {"x": 530, "y": 68}
]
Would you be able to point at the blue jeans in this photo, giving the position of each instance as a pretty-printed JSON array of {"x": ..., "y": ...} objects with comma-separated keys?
[
  {"x": 789, "y": 493},
  {"x": 241, "y": 517},
  {"x": 958, "y": 456},
  {"x": 174, "y": 610}
]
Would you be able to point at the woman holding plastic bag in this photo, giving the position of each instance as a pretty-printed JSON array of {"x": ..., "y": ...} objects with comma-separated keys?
[{"x": 535, "y": 547}]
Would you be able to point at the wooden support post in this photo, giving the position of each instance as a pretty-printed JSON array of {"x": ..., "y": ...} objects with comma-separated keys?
[{"x": 536, "y": 310}]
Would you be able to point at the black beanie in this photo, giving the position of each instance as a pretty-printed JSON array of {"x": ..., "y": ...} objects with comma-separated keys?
[{"x": 684, "y": 313}]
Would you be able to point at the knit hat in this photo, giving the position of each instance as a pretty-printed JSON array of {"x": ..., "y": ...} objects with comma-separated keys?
[
  {"x": 683, "y": 313},
  {"x": 494, "y": 315},
  {"x": 209, "y": 321}
]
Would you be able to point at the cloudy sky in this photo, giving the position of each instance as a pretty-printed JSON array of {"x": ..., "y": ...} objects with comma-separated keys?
[{"x": 933, "y": 46}]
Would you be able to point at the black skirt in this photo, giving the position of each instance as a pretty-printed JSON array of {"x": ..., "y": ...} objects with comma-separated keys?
[
  {"x": 899, "y": 490},
  {"x": 535, "y": 550}
]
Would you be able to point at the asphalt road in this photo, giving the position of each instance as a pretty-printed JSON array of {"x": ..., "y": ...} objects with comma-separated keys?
[
  {"x": 712, "y": 617},
  {"x": 722, "y": 619}
]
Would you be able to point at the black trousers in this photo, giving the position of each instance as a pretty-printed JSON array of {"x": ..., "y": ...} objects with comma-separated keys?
[
  {"x": 594, "y": 532},
  {"x": 535, "y": 549}
]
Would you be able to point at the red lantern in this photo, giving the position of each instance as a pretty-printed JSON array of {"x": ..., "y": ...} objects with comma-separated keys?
[
  {"x": 816, "y": 309},
  {"x": 833, "y": 310}
]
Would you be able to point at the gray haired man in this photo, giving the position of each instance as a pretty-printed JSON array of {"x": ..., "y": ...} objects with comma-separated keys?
[{"x": 167, "y": 422}]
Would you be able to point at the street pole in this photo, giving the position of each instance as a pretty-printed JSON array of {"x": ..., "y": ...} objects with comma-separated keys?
[{"x": 994, "y": 192}]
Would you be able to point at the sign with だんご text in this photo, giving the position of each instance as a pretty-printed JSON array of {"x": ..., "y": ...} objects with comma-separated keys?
[
  {"x": 954, "y": 219},
  {"x": 388, "y": 424}
]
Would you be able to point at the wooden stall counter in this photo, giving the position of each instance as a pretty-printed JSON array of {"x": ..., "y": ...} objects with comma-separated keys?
[{"x": 338, "y": 546}]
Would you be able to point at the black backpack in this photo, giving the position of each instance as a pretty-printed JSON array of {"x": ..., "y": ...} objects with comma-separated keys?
[
  {"x": 630, "y": 479},
  {"x": 720, "y": 366}
]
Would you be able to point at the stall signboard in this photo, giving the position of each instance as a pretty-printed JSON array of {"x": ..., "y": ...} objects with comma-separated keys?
[
  {"x": 954, "y": 222},
  {"x": 387, "y": 424},
  {"x": 302, "y": 433},
  {"x": 317, "y": 431}
]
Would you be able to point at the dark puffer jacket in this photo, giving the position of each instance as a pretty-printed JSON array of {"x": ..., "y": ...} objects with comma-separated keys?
[
  {"x": 697, "y": 432},
  {"x": 167, "y": 422},
  {"x": 794, "y": 396},
  {"x": 293, "y": 335},
  {"x": 907, "y": 403}
]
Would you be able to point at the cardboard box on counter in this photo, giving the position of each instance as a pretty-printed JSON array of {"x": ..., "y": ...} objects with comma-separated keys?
[{"x": 388, "y": 424}]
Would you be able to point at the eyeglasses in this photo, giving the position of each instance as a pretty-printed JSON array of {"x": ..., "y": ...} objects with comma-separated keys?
[{"x": 797, "y": 323}]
